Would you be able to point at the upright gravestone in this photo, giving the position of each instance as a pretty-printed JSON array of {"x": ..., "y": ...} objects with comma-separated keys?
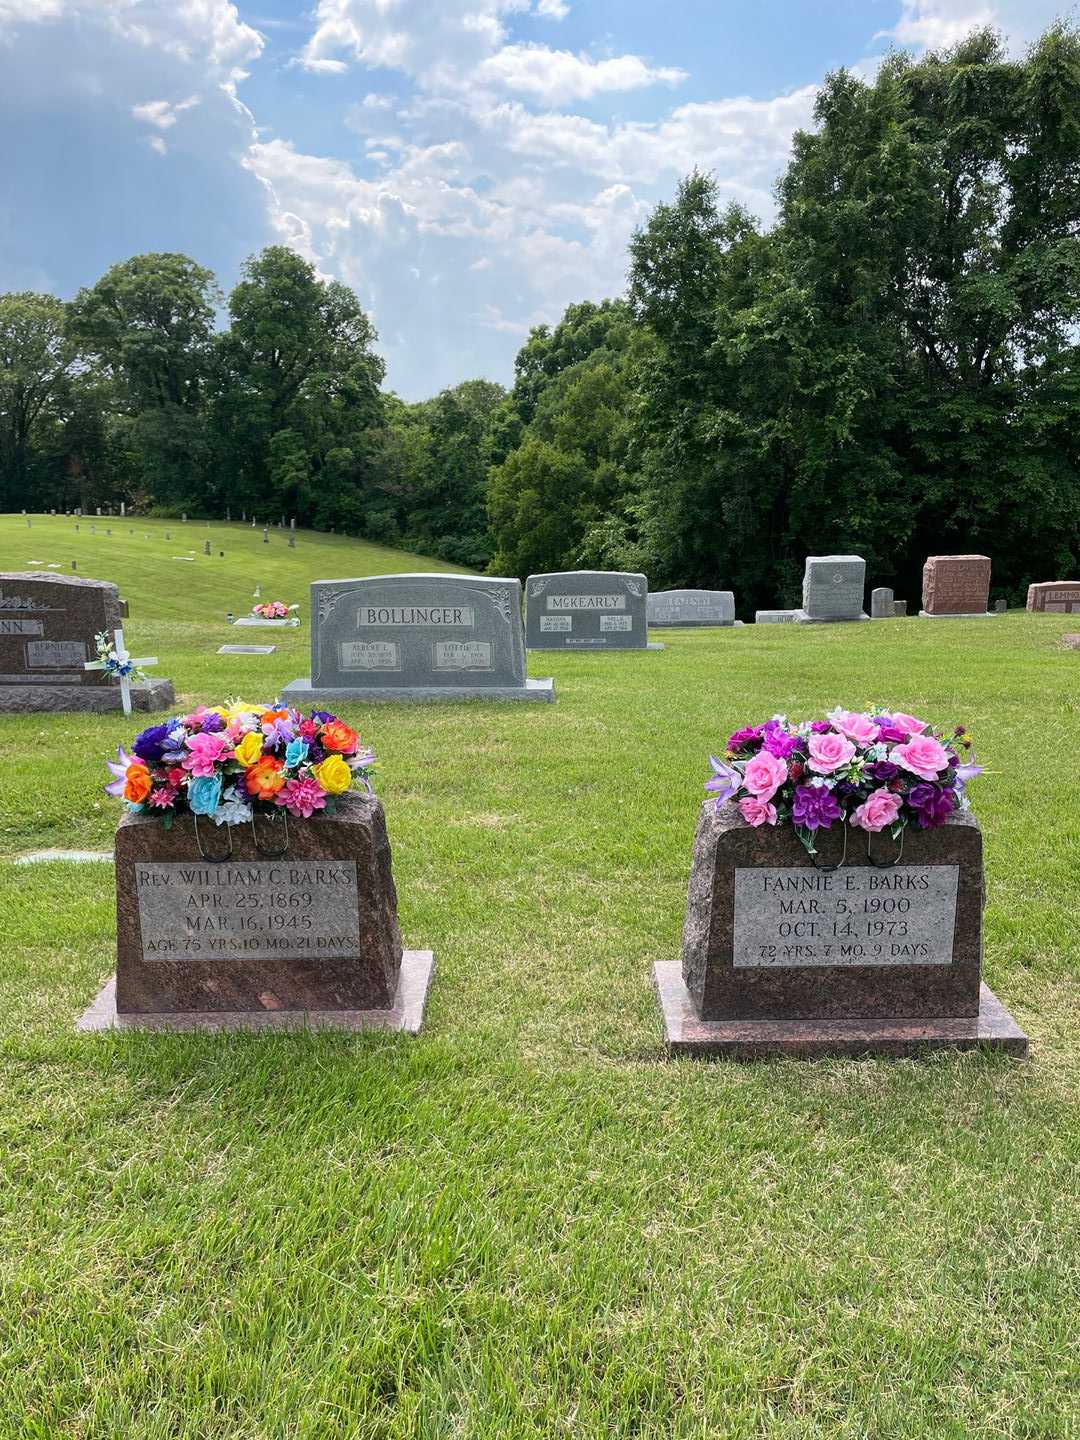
[
  {"x": 685, "y": 609},
  {"x": 260, "y": 937},
  {"x": 587, "y": 610},
  {"x": 900, "y": 608},
  {"x": 956, "y": 587},
  {"x": 416, "y": 637},
  {"x": 1060, "y": 597},
  {"x": 780, "y": 957},
  {"x": 48, "y": 630},
  {"x": 882, "y": 604},
  {"x": 833, "y": 588}
]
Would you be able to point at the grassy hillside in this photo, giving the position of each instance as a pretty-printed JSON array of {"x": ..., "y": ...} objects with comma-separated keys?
[{"x": 527, "y": 1221}]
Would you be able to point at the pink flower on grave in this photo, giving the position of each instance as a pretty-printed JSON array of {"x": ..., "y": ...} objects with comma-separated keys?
[
  {"x": 757, "y": 812},
  {"x": 764, "y": 775},
  {"x": 829, "y": 752},
  {"x": 301, "y": 797},
  {"x": 908, "y": 723},
  {"x": 163, "y": 796},
  {"x": 923, "y": 756},
  {"x": 854, "y": 726},
  {"x": 204, "y": 752},
  {"x": 879, "y": 809}
]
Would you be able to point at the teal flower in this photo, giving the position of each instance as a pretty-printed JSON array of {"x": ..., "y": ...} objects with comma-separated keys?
[
  {"x": 295, "y": 753},
  {"x": 204, "y": 794}
]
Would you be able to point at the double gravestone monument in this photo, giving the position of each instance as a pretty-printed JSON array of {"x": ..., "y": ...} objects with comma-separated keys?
[
  {"x": 416, "y": 637},
  {"x": 956, "y": 587},
  {"x": 833, "y": 588},
  {"x": 48, "y": 630},
  {"x": 781, "y": 957},
  {"x": 260, "y": 926},
  {"x": 587, "y": 610},
  {"x": 1060, "y": 597},
  {"x": 686, "y": 609}
]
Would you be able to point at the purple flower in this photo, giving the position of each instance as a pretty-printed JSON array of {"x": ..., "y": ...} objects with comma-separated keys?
[
  {"x": 931, "y": 804},
  {"x": 744, "y": 737},
  {"x": 883, "y": 770},
  {"x": 323, "y": 716},
  {"x": 815, "y": 807},
  {"x": 778, "y": 742},
  {"x": 151, "y": 743},
  {"x": 967, "y": 772},
  {"x": 889, "y": 733},
  {"x": 820, "y": 727},
  {"x": 725, "y": 781},
  {"x": 119, "y": 769},
  {"x": 212, "y": 723}
]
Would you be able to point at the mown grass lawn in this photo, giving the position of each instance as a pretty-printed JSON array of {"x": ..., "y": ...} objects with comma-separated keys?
[{"x": 527, "y": 1221}]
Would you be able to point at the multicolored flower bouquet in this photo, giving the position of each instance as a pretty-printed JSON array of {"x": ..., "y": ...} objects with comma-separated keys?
[
  {"x": 273, "y": 610},
  {"x": 879, "y": 770},
  {"x": 112, "y": 663},
  {"x": 228, "y": 761}
]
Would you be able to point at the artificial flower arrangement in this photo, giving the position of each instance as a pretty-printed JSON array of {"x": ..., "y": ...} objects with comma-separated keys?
[
  {"x": 879, "y": 770},
  {"x": 112, "y": 663},
  {"x": 228, "y": 761},
  {"x": 273, "y": 610}
]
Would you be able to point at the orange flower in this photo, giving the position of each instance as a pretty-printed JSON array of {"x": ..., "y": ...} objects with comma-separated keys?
[
  {"x": 269, "y": 716},
  {"x": 336, "y": 735},
  {"x": 264, "y": 779},
  {"x": 137, "y": 782}
]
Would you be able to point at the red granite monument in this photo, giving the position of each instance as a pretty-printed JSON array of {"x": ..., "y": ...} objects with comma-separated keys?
[
  {"x": 1061, "y": 597},
  {"x": 956, "y": 585}
]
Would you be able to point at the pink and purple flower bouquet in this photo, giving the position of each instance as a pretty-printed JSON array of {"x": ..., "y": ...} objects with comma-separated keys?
[
  {"x": 875, "y": 770},
  {"x": 273, "y": 610},
  {"x": 228, "y": 761}
]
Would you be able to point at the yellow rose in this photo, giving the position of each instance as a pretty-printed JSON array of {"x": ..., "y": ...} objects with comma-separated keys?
[
  {"x": 333, "y": 775},
  {"x": 249, "y": 748}
]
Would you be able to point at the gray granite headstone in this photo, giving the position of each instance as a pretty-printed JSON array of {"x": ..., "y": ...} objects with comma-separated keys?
[
  {"x": 689, "y": 608},
  {"x": 899, "y": 608},
  {"x": 1001, "y": 606},
  {"x": 417, "y": 637},
  {"x": 881, "y": 604},
  {"x": 587, "y": 610},
  {"x": 832, "y": 589},
  {"x": 774, "y": 617}
]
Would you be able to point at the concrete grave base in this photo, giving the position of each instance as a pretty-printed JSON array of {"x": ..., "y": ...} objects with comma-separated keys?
[
  {"x": 406, "y": 1014},
  {"x": 774, "y": 617},
  {"x": 301, "y": 693},
  {"x": 971, "y": 615},
  {"x": 802, "y": 618},
  {"x": 96, "y": 699},
  {"x": 992, "y": 1029}
]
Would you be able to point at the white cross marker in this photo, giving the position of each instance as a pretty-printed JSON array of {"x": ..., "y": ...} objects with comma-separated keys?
[{"x": 125, "y": 680}]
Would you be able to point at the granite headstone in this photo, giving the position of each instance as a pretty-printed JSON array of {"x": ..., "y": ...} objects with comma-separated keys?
[
  {"x": 587, "y": 610},
  {"x": 283, "y": 927},
  {"x": 882, "y": 604},
  {"x": 833, "y": 588},
  {"x": 676, "y": 609},
  {"x": 48, "y": 630},
  {"x": 780, "y": 956},
  {"x": 900, "y": 608},
  {"x": 417, "y": 637},
  {"x": 1060, "y": 597},
  {"x": 955, "y": 586}
]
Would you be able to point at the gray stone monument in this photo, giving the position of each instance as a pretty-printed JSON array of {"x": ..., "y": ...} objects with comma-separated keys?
[
  {"x": 48, "y": 629},
  {"x": 832, "y": 589},
  {"x": 882, "y": 604},
  {"x": 774, "y": 617},
  {"x": 686, "y": 609},
  {"x": 587, "y": 610},
  {"x": 416, "y": 637},
  {"x": 900, "y": 608}
]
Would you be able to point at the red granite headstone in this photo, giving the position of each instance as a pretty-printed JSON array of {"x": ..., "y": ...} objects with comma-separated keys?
[
  {"x": 1054, "y": 596},
  {"x": 956, "y": 585}
]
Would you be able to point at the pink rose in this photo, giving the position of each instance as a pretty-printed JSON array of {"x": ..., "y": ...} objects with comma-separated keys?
[
  {"x": 879, "y": 809},
  {"x": 757, "y": 812},
  {"x": 859, "y": 728},
  {"x": 908, "y": 723},
  {"x": 205, "y": 750},
  {"x": 923, "y": 756},
  {"x": 764, "y": 775},
  {"x": 829, "y": 753}
]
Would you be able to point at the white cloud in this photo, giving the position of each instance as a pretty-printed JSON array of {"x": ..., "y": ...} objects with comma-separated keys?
[
  {"x": 157, "y": 144},
  {"x": 936, "y": 24},
  {"x": 160, "y": 113},
  {"x": 557, "y": 76},
  {"x": 552, "y": 9}
]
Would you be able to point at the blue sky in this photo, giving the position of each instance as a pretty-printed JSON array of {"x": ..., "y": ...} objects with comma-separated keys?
[{"x": 470, "y": 167}]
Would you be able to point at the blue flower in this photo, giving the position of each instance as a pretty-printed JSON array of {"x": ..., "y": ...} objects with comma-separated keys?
[
  {"x": 204, "y": 794},
  {"x": 150, "y": 745},
  {"x": 295, "y": 752}
]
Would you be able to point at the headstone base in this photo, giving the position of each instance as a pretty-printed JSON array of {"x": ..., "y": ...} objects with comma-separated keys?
[
  {"x": 992, "y": 1029},
  {"x": 972, "y": 615},
  {"x": 300, "y": 693},
  {"x": 96, "y": 699},
  {"x": 802, "y": 618},
  {"x": 590, "y": 648},
  {"x": 774, "y": 617},
  {"x": 406, "y": 1014},
  {"x": 258, "y": 623}
]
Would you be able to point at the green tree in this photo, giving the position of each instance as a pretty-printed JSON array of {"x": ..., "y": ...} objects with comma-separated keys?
[{"x": 37, "y": 363}]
